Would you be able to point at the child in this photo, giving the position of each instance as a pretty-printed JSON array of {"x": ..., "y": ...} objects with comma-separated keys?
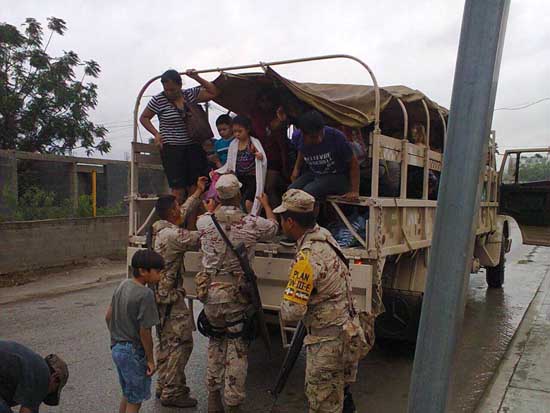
[
  {"x": 224, "y": 123},
  {"x": 246, "y": 158},
  {"x": 130, "y": 316}
]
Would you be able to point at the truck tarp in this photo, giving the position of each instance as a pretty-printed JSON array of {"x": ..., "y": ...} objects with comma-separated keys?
[{"x": 346, "y": 104}]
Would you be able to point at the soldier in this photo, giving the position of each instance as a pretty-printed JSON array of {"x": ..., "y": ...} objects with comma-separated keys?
[
  {"x": 176, "y": 326},
  {"x": 219, "y": 286},
  {"x": 318, "y": 293}
]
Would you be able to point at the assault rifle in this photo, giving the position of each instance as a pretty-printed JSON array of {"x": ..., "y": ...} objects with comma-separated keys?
[
  {"x": 290, "y": 359},
  {"x": 250, "y": 278}
]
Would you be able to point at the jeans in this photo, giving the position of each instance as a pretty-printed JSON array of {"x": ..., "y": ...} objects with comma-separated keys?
[
  {"x": 4, "y": 408},
  {"x": 131, "y": 366},
  {"x": 322, "y": 185}
]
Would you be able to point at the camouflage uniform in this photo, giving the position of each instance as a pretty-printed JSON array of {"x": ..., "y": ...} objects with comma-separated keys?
[
  {"x": 176, "y": 339},
  {"x": 228, "y": 357},
  {"x": 317, "y": 292}
]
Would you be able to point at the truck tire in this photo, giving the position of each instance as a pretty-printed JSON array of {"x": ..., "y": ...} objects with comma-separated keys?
[{"x": 495, "y": 275}]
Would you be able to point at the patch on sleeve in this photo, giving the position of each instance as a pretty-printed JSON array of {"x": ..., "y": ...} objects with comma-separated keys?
[{"x": 300, "y": 281}]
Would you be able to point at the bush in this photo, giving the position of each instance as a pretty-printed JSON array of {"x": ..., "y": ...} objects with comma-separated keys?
[{"x": 35, "y": 204}]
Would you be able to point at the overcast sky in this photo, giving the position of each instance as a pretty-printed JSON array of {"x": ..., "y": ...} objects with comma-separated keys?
[{"x": 404, "y": 42}]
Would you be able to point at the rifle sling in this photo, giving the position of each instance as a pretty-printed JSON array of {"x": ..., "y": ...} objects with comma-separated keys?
[{"x": 227, "y": 241}]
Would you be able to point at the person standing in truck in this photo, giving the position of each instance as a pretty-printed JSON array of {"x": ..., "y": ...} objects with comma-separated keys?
[{"x": 183, "y": 159}]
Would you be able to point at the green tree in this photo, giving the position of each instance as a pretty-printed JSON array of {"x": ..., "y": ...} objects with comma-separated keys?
[{"x": 44, "y": 100}]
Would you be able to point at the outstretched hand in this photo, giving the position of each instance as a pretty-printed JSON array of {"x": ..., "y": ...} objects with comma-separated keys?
[
  {"x": 210, "y": 205},
  {"x": 202, "y": 181},
  {"x": 263, "y": 199}
]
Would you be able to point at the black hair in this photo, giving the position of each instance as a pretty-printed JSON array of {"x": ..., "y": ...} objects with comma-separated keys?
[
  {"x": 146, "y": 260},
  {"x": 304, "y": 219},
  {"x": 242, "y": 121},
  {"x": 164, "y": 204},
  {"x": 171, "y": 75},
  {"x": 224, "y": 120},
  {"x": 311, "y": 122}
]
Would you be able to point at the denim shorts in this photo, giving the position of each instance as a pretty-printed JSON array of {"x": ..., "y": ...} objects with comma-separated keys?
[{"x": 131, "y": 366}]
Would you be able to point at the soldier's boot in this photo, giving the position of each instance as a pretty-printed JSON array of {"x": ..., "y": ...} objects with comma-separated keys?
[
  {"x": 349, "y": 405},
  {"x": 183, "y": 402},
  {"x": 233, "y": 409},
  {"x": 215, "y": 402}
]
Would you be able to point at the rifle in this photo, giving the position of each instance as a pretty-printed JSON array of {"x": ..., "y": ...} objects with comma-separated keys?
[
  {"x": 290, "y": 359},
  {"x": 250, "y": 278},
  {"x": 296, "y": 346}
]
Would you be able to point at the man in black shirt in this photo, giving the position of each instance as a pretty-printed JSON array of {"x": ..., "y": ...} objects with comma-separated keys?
[{"x": 27, "y": 379}]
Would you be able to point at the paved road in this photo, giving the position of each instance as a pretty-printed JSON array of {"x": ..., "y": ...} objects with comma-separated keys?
[{"x": 72, "y": 325}]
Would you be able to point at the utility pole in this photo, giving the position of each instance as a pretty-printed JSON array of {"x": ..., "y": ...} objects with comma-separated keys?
[{"x": 472, "y": 104}]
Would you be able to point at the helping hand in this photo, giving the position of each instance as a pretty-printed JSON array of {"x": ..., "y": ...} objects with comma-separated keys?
[
  {"x": 210, "y": 205},
  {"x": 264, "y": 200},
  {"x": 202, "y": 181}
]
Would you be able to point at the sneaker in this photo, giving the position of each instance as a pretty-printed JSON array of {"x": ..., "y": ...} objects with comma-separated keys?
[
  {"x": 287, "y": 242},
  {"x": 187, "y": 402}
]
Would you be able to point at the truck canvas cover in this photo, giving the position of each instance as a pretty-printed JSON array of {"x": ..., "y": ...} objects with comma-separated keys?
[{"x": 346, "y": 104}]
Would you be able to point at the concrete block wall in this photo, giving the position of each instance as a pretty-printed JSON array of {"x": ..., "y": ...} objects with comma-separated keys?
[
  {"x": 50, "y": 176},
  {"x": 32, "y": 245}
]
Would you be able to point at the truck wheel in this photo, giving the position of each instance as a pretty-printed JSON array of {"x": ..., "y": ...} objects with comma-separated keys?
[{"x": 495, "y": 275}]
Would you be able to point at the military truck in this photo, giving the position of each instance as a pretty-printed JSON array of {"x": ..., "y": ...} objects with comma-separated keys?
[{"x": 389, "y": 259}]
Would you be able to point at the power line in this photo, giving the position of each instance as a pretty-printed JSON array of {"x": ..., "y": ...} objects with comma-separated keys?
[{"x": 524, "y": 106}]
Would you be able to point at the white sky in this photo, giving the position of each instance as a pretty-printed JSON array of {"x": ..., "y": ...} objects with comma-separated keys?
[{"x": 404, "y": 42}]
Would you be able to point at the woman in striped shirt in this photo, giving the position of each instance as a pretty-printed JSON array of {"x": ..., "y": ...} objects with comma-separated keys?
[{"x": 183, "y": 159}]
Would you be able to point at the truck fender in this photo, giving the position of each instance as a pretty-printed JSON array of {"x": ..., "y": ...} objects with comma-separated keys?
[{"x": 487, "y": 246}]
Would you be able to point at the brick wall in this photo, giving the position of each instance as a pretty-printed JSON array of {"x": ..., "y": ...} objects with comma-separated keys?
[{"x": 32, "y": 245}]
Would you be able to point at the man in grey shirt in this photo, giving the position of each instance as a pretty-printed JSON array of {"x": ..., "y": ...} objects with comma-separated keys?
[{"x": 130, "y": 317}]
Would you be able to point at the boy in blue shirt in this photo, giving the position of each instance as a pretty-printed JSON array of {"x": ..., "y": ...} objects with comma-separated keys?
[{"x": 224, "y": 123}]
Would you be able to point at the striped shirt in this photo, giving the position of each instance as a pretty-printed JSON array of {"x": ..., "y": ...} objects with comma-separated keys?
[{"x": 172, "y": 126}]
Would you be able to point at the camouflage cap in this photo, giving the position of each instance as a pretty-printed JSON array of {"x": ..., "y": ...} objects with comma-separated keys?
[
  {"x": 296, "y": 200},
  {"x": 60, "y": 367},
  {"x": 228, "y": 186}
]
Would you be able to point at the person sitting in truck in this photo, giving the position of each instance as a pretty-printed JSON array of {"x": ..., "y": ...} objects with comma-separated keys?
[{"x": 333, "y": 169}]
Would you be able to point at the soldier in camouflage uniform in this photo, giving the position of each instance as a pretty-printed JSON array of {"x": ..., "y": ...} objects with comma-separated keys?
[
  {"x": 317, "y": 294},
  {"x": 176, "y": 340},
  {"x": 224, "y": 303}
]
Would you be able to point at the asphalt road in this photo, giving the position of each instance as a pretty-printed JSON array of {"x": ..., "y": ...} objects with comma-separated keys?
[{"x": 72, "y": 325}]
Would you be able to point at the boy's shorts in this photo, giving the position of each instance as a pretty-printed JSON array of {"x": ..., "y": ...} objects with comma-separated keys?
[{"x": 131, "y": 366}]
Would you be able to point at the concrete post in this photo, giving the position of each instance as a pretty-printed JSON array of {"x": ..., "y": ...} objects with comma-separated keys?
[{"x": 472, "y": 105}]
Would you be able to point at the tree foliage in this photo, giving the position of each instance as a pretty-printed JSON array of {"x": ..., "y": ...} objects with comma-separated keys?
[
  {"x": 44, "y": 100},
  {"x": 534, "y": 168}
]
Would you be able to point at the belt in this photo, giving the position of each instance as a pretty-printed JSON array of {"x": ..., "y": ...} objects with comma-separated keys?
[{"x": 330, "y": 331}]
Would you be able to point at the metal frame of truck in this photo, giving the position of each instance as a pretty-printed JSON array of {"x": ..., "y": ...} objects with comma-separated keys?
[{"x": 394, "y": 255}]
